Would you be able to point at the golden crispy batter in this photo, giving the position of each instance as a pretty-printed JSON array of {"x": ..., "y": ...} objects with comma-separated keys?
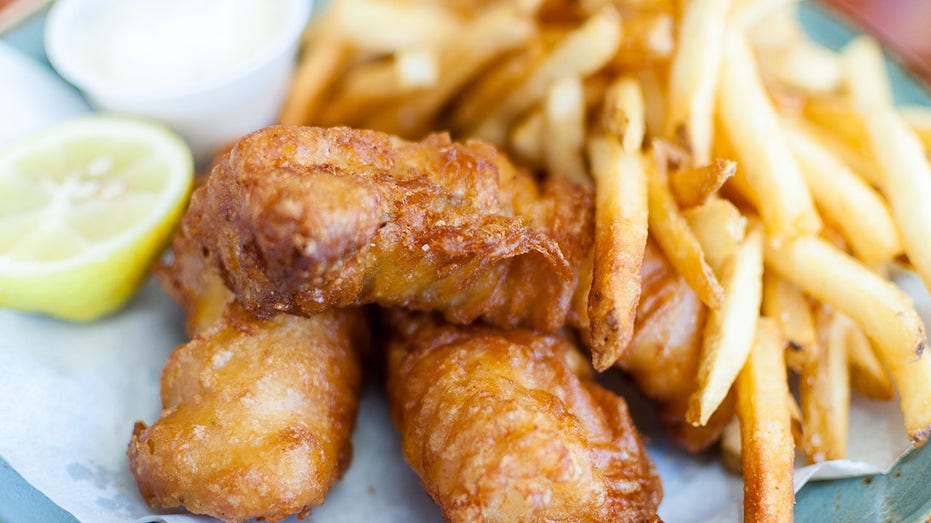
[
  {"x": 191, "y": 278},
  {"x": 306, "y": 219},
  {"x": 500, "y": 429},
  {"x": 257, "y": 417}
]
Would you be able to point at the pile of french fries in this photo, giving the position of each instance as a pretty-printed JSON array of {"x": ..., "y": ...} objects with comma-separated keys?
[{"x": 775, "y": 174}]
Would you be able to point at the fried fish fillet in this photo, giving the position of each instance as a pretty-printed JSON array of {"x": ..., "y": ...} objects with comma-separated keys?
[
  {"x": 499, "y": 428},
  {"x": 257, "y": 417},
  {"x": 257, "y": 413},
  {"x": 303, "y": 220},
  {"x": 191, "y": 278}
]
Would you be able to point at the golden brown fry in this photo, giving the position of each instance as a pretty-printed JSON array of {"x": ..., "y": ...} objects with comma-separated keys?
[
  {"x": 620, "y": 240},
  {"x": 824, "y": 390},
  {"x": 191, "y": 278},
  {"x": 386, "y": 26},
  {"x": 787, "y": 306},
  {"x": 838, "y": 116},
  {"x": 494, "y": 84},
  {"x": 675, "y": 238},
  {"x": 693, "y": 186},
  {"x": 363, "y": 88},
  {"x": 867, "y": 375},
  {"x": 882, "y": 310},
  {"x": 257, "y": 417},
  {"x": 499, "y": 428},
  {"x": 495, "y": 31},
  {"x": 728, "y": 335},
  {"x": 753, "y": 130},
  {"x": 526, "y": 138},
  {"x": 316, "y": 70},
  {"x": 307, "y": 219},
  {"x": 918, "y": 118},
  {"x": 584, "y": 50},
  {"x": 623, "y": 113},
  {"x": 804, "y": 66},
  {"x": 767, "y": 449},
  {"x": 653, "y": 88},
  {"x": 648, "y": 40},
  {"x": 564, "y": 130},
  {"x": 906, "y": 171},
  {"x": 719, "y": 227},
  {"x": 858, "y": 212},
  {"x": 693, "y": 77}
]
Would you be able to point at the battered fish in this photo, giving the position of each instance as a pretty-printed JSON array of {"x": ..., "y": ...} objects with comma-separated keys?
[
  {"x": 303, "y": 220},
  {"x": 257, "y": 413},
  {"x": 257, "y": 417},
  {"x": 499, "y": 428}
]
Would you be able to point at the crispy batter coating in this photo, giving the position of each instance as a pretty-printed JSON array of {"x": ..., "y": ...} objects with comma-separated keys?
[
  {"x": 257, "y": 417},
  {"x": 305, "y": 219},
  {"x": 191, "y": 278},
  {"x": 499, "y": 428}
]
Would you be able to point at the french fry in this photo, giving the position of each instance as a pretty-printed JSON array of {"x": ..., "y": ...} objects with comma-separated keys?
[
  {"x": 882, "y": 310},
  {"x": 867, "y": 375},
  {"x": 494, "y": 85},
  {"x": 364, "y": 87},
  {"x": 824, "y": 389},
  {"x": 564, "y": 130},
  {"x": 648, "y": 40},
  {"x": 654, "y": 100},
  {"x": 694, "y": 75},
  {"x": 694, "y": 185},
  {"x": 861, "y": 162},
  {"x": 623, "y": 113},
  {"x": 416, "y": 68},
  {"x": 918, "y": 118},
  {"x": 584, "y": 50},
  {"x": 806, "y": 67},
  {"x": 319, "y": 62},
  {"x": 384, "y": 26},
  {"x": 719, "y": 227},
  {"x": 838, "y": 116},
  {"x": 495, "y": 31},
  {"x": 764, "y": 158},
  {"x": 766, "y": 444},
  {"x": 676, "y": 240},
  {"x": 527, "y": 136},
  {"x": 620, "y": 240},
  {"x": 729, "y": 330},
  {"x": 785, "y": 303},
  {"x": 848, "y": 203},
  {"x": 906, "y": 172}
]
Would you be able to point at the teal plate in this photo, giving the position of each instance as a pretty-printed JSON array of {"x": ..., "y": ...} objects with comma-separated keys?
[{"x": 902, "y": 496}]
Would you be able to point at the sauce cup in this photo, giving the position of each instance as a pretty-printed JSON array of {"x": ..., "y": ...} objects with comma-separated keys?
[{"x": 226, "y": 97}]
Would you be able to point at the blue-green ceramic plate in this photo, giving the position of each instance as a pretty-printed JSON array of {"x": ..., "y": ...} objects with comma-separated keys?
[{"x": 902, "y": 496}]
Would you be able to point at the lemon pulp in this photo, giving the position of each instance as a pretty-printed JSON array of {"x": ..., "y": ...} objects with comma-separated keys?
[{"x": 84, "y": 209}]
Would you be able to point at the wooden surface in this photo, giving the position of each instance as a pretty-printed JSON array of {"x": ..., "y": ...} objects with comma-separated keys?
[{"x": 903, "y": 26}]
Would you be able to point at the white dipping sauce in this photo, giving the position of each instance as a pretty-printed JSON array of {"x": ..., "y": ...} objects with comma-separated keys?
[{"x": 175, "y": 43}]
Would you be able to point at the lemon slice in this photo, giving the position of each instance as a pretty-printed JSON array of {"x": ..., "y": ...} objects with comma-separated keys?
[{"x": 85, "y": 207}]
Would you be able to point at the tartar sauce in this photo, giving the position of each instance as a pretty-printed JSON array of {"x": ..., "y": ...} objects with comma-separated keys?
[{"x": 169, "y": 44}]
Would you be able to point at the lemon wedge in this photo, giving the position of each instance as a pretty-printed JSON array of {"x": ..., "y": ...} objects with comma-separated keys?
[{"x": 85, "y": 207}]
